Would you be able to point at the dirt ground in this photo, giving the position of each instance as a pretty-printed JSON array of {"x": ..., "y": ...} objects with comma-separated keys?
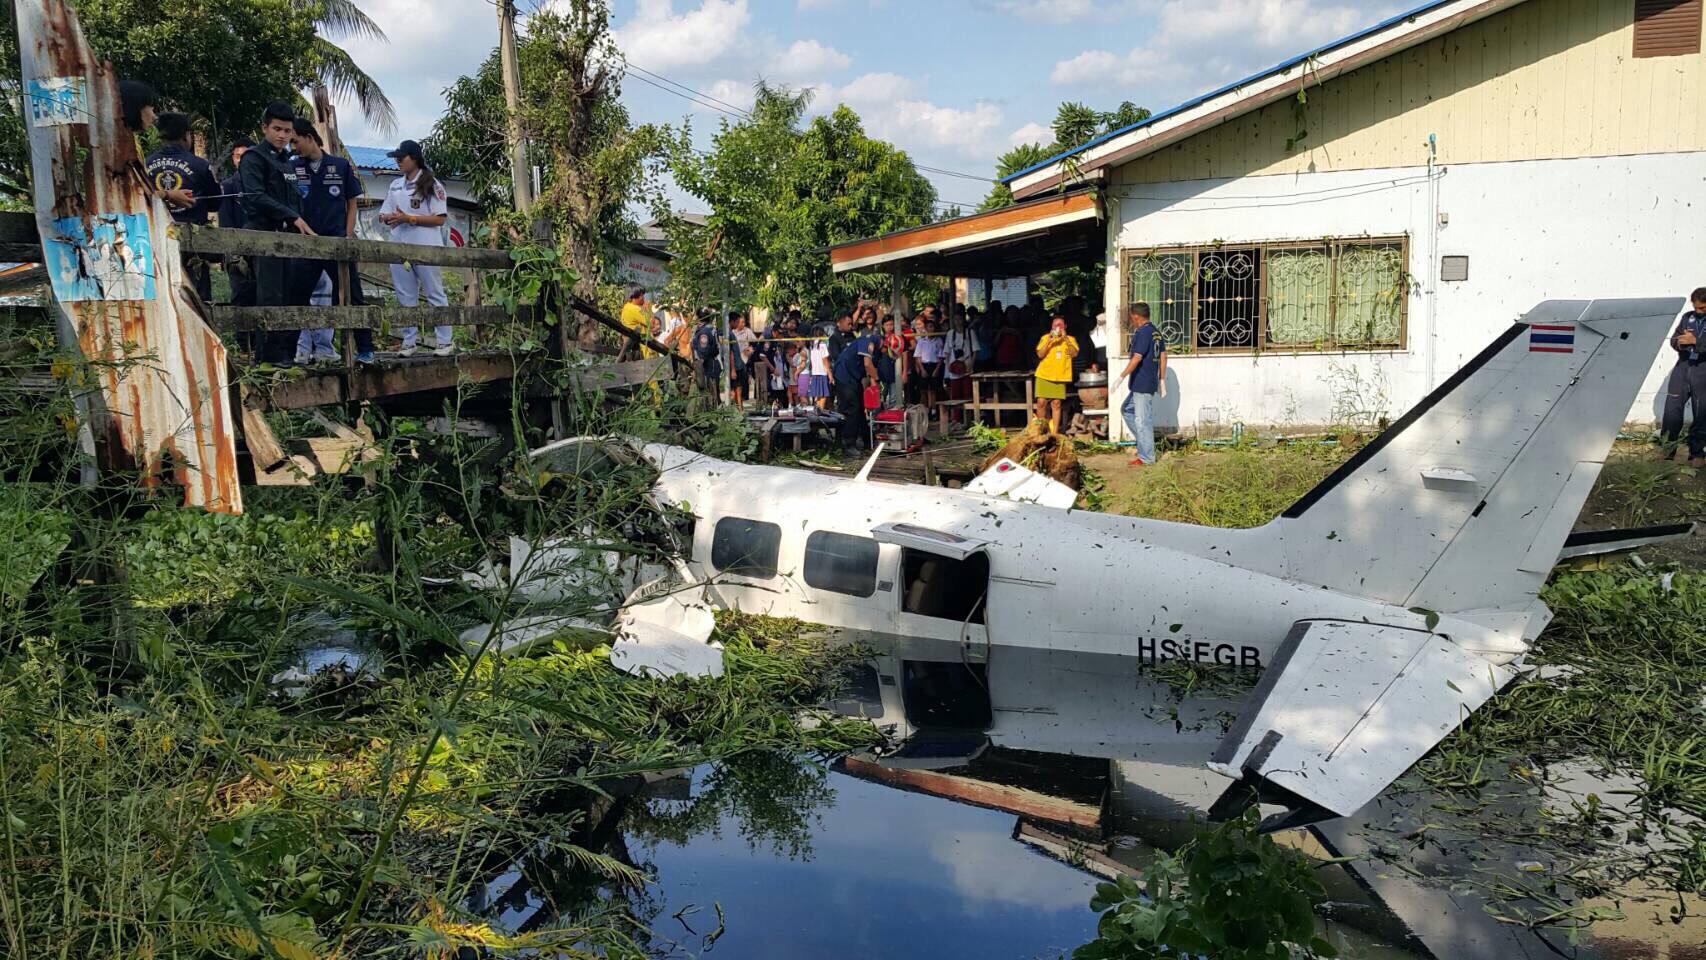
[{"x": 1248, "y": 487}]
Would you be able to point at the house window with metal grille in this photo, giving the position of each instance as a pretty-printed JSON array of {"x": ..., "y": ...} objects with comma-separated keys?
[{"x": 1290, "y": 297}]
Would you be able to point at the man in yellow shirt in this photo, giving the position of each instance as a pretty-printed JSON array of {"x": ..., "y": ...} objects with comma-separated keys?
[
  {"x": 1056, "y": 350},
  {"x": 637, "y": 316}
]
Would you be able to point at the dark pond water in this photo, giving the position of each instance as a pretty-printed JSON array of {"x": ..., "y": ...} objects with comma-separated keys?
[
  {"x": 1016, "y": 780},
  {"x": 872, "y": 872},
  {"x": 804, "y": 861},
  {"x": 1009, "y": 794}
]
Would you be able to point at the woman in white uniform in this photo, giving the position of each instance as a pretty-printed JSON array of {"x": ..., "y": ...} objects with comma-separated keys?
[{"x": 415, "y": 209}]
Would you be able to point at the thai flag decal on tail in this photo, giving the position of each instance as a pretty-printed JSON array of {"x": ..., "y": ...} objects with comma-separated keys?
[{"x": 1552, "y": 338}]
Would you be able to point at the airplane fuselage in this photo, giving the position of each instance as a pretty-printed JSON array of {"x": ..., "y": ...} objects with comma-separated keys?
[{"x": 792, "y": 543}]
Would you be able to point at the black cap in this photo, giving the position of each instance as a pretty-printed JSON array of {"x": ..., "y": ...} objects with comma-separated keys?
[{"x": 408, "y": 148}]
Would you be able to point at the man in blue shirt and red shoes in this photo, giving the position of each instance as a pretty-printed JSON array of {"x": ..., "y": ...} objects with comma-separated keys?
[{"x": 1146, "y": 375}]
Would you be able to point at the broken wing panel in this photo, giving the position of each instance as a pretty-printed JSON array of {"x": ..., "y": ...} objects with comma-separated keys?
[{"x": 1350, "y": 706}]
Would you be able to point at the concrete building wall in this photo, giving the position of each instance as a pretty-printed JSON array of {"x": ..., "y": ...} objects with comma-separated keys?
[
  {"x": 1532, "y": 230},
  {"x": 1546, "y": 79}
]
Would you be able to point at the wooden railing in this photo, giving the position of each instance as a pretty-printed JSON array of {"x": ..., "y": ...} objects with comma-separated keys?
[{"x": 352, "y": 251}]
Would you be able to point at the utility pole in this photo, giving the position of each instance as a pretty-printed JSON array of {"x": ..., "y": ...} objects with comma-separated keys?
[{"x": 520, "y": 177}]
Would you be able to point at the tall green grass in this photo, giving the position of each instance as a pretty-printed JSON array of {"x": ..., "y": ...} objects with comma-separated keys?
[{"x": 159, "y": 799}]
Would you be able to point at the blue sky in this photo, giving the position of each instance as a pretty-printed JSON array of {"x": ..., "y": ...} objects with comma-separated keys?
[{"x": 952, "y": 82}]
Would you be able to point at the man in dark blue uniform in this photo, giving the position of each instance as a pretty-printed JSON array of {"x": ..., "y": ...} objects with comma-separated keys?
[
  {"x": 186, "y": 181},
  {"x": 231, "y": 217},
  {"x": 330, "y": 187},
  {"x": 852, "y": 367},
  {"x": 1687, "y": 384},
  {"x": 238, "y": 270},
  {"x": 271, "y": 203}
]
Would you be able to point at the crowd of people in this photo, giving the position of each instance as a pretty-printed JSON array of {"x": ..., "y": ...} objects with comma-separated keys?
[
  {"x": 866, "y": 360},
  {"x": 288, "y": 182},
  {"x": 859, "y": 363}
]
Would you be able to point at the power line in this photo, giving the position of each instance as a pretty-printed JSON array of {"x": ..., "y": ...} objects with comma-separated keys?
[{"x": 737, "y": 111}]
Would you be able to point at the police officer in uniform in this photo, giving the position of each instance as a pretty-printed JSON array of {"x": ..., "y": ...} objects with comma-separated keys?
[
  {"x": 271, "y": 203},
  {"x": 330, "y": 187},
  {"x": 231, "y": 217},
  {"x": 186, "y": 181}
]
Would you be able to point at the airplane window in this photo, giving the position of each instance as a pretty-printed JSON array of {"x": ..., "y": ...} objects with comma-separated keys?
[
  {"x": 747, "y": 547},
  {"x": 842, "y": 564}
]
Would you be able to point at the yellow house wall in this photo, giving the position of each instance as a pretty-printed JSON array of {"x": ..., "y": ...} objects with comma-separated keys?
[{"x": 1546, "y": 79}]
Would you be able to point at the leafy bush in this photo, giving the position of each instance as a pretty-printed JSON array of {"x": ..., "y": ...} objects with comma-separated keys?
[
  {"x": 1230, "y": 893},
  {"x": 177, "y": 555}
]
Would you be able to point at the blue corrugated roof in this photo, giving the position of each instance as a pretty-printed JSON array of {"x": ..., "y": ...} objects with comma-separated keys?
[
  {"x": 371, "y": 158},
  {"x": 1188, "y": 104}
]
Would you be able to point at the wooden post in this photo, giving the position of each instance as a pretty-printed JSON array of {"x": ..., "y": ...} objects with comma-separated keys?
[
  {"x": 326, "y": 120},
  {"x": 520, "y": 178}
]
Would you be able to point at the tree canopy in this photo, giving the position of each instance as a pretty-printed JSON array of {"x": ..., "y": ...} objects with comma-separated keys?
[
  {"x": 1074, "y": 125},
  {"x": 594, "y": 163},
  {"x": 221, "y": 61},
  {"x": 780, "y": 190}
]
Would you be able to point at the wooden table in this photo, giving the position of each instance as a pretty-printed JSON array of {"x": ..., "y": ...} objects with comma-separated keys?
[{"x": 995, "y": 392}]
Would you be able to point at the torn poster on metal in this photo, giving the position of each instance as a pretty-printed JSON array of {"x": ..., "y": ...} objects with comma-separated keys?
[
  {"x": 108, "y": 256},
  {"x": 57, "y": 101}
]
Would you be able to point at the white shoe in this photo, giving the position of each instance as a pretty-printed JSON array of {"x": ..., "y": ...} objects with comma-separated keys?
[
  {"x": 408, "y": 350},
  {"x": 444, "y": 350},
  {"x": 302, "y": 359}
]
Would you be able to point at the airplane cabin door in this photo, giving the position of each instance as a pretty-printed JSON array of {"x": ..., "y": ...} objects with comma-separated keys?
[{"x": 943, "y": 588}]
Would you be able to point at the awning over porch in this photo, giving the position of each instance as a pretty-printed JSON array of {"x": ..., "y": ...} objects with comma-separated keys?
[{"x": 1015, "y": 241}]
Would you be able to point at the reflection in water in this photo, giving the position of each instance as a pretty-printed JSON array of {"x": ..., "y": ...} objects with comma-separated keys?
[{"x": 1014, "y": 780}]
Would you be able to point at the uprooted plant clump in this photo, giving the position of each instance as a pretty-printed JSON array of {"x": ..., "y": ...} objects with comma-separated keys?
[{"x": 160, "y": 795}]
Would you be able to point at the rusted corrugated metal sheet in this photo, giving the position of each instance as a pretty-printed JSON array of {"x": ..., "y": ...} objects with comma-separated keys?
[{"x": 118, "y": 281}]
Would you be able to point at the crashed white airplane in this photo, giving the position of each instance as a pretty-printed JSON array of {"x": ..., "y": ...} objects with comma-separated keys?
[{"x": 1383, "y": 607}]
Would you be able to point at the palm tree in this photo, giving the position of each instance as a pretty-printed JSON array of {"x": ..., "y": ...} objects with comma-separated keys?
[{"x": 336, "y": 72}]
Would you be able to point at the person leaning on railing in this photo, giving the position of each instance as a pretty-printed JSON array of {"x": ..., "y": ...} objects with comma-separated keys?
[
  {"x": 330, "y": 187},
  {"x": 271, "y": 203}
]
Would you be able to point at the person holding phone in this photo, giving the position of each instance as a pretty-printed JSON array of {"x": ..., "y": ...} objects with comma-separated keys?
[
  {"x": 1687, "y": 382},
  {"x": 1054, "y": 373}
]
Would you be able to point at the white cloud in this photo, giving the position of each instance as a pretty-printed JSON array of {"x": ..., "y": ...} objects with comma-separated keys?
[
  {"x": 984, "y": 871},
  {"x": 734, "y": 93},
  {"x": 874, "y": 88},
  {"x": 1057, "y": 11},
  {"x": 660, "y": 39},
  {"x": 1097, "y": 67},
  {"x": 1197, "y": 44},
  {"x": 808, "y": 58},
  {"x": 891, "y": 109},
  {"x": 1030, "y": 133},
  {"x": 424, "y": 55}
]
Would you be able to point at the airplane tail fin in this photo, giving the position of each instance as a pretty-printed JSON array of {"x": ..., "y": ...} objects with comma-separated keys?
[{"x": 1465, "y": 503}]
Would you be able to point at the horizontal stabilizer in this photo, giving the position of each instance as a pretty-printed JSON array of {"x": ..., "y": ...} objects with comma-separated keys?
[
  {"x": 1595, "y": 543},
  {"x": 1346, "y": 708}
]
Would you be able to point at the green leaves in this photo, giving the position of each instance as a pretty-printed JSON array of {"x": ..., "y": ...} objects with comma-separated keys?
[
  {"x": 1230, "y": 893},
  {"x": 1430, "y": 617},
  {"x": 780, "y": 192}
]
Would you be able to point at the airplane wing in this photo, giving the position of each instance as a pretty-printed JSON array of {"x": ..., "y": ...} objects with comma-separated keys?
[{"x": 1346, "y": 708}]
